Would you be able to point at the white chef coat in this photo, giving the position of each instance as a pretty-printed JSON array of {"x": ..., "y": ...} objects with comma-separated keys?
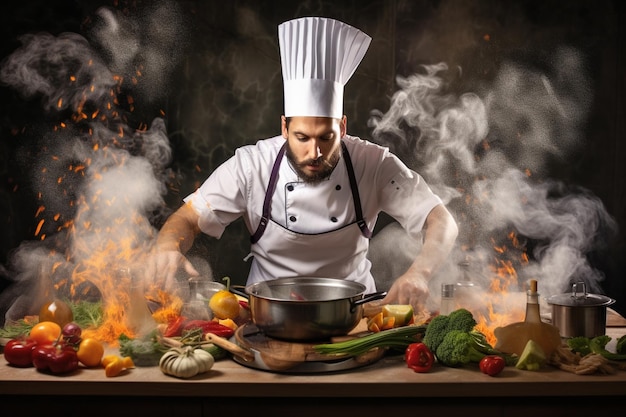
[{"x": 237, "y": 188}]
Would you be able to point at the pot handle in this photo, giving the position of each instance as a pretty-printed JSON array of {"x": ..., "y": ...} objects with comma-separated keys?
[
  {"x": 367, "y": 298},
  {"x": 579, "y": 295},
  {"x": 239, "y": 290}
]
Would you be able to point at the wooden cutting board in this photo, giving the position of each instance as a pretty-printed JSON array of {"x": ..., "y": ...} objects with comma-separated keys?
[{"x": 250, "y": 337}]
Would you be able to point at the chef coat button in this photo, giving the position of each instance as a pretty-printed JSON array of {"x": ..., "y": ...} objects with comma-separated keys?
[
  {"x": 338, "y": 187},
  {"x": 333, "y": 219},
  {"x": 292, "y": 218},
  {"x": 290, "y": 187}
]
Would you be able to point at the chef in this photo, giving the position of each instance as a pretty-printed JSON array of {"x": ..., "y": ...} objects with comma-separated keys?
[{"x": 311, "y": 196}]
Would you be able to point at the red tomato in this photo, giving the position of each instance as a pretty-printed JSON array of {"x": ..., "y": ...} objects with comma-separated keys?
[
  {"x": 418, "y": 357},
  {"x": 491, "y": 365},
  {"x": 18, "y": 352}
]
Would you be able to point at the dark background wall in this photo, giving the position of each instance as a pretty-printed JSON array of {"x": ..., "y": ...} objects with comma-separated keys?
[{"x": 218, "y": 86}]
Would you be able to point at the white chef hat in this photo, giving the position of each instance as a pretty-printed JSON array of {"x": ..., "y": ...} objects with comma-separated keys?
[{"x": 318, "y": 57}]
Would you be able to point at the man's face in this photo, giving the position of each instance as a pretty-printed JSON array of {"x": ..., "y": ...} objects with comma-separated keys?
[{"x": 313, "y": 145}]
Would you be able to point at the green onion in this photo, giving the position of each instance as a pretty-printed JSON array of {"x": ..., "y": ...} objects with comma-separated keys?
[{"x": 397, "y": 338}]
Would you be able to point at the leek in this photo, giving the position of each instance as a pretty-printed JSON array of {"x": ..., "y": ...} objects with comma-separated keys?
[{"x": 396, "y": 338}]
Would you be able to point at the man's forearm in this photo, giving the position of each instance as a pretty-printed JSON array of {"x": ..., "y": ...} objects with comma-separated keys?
[
  {"x": 179, "y": 231},
  {"x": 439, "y": 238}
]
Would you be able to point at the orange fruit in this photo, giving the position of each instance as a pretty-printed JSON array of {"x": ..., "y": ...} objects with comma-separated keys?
[
  {"x": 90, "y": 352},
  {"x": 45, "y": 332},
  {"x": 224, "y": 305}
]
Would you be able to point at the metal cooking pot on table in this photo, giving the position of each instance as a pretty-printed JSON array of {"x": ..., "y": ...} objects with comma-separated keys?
[
  {"x": 304, "y": 308},
  {"x": 580, "y": 313}
]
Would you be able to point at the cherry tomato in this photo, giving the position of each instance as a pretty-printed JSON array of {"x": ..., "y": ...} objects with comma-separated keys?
[
  {"x": 90, "y": 352},
  {"x": 491, "y": 365},
  {"x": 18, "y": 352},
  {"x": 418, "y": 357},
  {"x": 45, "y": 332}
]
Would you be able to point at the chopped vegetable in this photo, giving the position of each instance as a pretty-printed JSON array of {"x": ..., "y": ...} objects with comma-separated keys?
[
  {"x": 418, "y": 357},
  {"x": 114, "y": 365},
  {"x": 402, "y": 313},
  {"x": 532, "y": 357},
  {"x": 396, "y": 338},
  {"x": 492, "y": 365}
]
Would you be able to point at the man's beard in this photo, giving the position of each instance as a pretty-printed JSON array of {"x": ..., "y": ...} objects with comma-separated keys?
[{"x": 327, "y": 166}]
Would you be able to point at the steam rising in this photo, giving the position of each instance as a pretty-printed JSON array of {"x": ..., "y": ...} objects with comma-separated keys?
[{"x": 486, "y": 155}]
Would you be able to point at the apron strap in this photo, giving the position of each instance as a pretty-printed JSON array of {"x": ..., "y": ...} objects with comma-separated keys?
[
  {"x": 365, "y": 231},
  {"x": 267, "y": 203},
  {"x": 271, "y": 187}
]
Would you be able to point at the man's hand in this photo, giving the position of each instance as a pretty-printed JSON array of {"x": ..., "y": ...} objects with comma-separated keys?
[
  {"x": 164, "y": 265},
  {"x": 409, "y": 288},
  {"x": 175, "y": 238}
]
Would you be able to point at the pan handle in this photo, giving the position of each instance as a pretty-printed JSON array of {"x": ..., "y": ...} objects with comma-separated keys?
[{"x": 367, "y": 298}]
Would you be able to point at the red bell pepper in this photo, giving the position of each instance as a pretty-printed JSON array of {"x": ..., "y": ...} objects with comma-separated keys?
[
  {"x": 56, "y": 358},
  {"x": 18, "y": 352},
  {"x": 418, "y": 357},
  {"x": 174, "y": 327},
  {"x": 209, "y": 326},
  {"x": 491, "y": 365}
]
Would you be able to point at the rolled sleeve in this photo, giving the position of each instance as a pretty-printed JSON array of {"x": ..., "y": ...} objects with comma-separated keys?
[{"x": 408, "y": 198}]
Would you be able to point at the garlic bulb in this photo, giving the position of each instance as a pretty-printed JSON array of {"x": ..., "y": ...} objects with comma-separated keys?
[{"x": 186, "y": 362}]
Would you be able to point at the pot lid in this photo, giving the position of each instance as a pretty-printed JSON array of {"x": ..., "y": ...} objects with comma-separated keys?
[{"x": 579, "y": 297}]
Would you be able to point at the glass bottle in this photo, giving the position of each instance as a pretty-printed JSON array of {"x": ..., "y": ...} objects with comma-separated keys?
[{"x": 448, "y": 304}]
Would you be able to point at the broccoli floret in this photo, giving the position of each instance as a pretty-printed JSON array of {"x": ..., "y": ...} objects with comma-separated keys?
[
  {"x": 457, "y": 349},
  {"x": 436, "y": 331},
  {"x": 620, "y": 347},
  {"x": 461, "y": 319}
]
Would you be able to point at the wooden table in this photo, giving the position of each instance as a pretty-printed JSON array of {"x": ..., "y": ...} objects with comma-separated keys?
[{"x": 384, "y": 387}]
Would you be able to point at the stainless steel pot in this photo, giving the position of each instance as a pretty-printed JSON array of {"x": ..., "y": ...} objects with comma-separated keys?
[
  {"x": 580, "y": 313},
  {"x": 304, "y": 309}
]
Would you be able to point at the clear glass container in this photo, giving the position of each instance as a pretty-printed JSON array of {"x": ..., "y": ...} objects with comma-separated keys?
[{"x": 448, "y": 303}]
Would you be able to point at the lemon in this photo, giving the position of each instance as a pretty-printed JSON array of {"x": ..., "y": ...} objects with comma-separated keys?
[
  {"x": 402, "y": 313},
  {"x": 224, "y": 305}
]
